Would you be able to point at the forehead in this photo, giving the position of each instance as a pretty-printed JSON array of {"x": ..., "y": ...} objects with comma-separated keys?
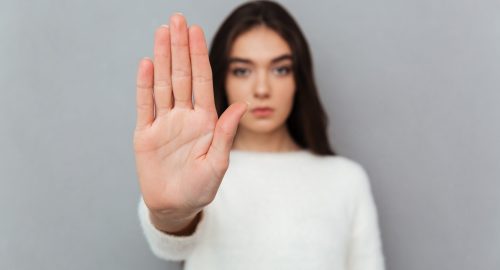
[{"x": 260, "y": 44}]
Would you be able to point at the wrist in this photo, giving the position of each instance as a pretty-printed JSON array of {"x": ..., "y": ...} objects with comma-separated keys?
[{"x": 175, "y": 224}]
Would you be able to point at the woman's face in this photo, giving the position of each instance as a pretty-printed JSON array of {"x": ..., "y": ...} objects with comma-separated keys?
[{"x": 260, "y": 72}]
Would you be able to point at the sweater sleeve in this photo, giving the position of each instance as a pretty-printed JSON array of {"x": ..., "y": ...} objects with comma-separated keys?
[
  {"x": 365, "y": 245},
  {"x": 167, "y": 246}
]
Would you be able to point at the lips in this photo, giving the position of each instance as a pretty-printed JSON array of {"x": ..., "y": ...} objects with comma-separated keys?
[{"x": 262, "y": 111}]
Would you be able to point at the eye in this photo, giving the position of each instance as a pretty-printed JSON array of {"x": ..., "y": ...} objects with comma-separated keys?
[
  {"x": 240, "y": 72},
  {"x": 283, "y": 70}
]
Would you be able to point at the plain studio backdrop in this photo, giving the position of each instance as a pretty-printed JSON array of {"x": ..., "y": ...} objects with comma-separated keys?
[{"x": 412, "y": 90}]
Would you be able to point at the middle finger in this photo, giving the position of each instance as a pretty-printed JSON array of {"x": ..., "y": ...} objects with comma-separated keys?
[{"x": 181, "y": 64}]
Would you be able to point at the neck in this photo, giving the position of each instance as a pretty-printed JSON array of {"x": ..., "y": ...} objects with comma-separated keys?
[{"x": 278, "y": 140}]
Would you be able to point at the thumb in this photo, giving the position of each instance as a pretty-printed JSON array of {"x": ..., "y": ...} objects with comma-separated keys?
[{"x": 225, "y": 130}]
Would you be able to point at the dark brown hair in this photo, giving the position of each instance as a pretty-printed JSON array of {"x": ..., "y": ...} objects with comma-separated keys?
[{"x": 307, "y": 122}]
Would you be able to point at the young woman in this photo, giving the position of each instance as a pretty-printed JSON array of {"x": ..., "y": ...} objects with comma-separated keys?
[{"x": 232, "y": 153}]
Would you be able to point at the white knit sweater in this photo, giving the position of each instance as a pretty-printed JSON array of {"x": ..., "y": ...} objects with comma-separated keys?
[{"x": 281, "y": 210}]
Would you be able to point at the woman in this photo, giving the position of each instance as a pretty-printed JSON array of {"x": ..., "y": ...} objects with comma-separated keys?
[{"x": 287, "y": 201}]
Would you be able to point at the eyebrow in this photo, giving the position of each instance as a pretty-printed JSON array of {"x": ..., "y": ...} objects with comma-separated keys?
[{"x": 248, "y": 61}]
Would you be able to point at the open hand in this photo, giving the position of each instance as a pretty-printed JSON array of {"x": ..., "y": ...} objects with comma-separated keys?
[{"x": 181, "y": 149}]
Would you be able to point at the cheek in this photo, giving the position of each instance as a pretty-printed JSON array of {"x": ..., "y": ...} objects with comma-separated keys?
[
  {"x": 236, "y": 90},
  {"x": 286, "y": 94}
]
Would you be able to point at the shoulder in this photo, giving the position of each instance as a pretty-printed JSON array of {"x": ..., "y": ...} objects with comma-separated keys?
[
  {"x": 345, "y": 165},
  {"x": 349, "y": 172}
]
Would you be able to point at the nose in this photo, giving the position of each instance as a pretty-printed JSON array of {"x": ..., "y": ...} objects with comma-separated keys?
[{"x": 262, "y": 89}]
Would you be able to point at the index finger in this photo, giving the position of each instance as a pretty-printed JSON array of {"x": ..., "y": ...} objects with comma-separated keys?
[{"x": 201, "y": 71}]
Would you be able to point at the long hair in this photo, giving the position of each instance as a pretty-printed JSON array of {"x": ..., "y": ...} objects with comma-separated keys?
[{"x": 307, "y": 122}]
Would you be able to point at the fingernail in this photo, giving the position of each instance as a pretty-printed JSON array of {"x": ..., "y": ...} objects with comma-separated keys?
[
  {"x": 180, "y": 13},
  {"x": 146, "y": 58},
  {"x": 164, "y": 25}
]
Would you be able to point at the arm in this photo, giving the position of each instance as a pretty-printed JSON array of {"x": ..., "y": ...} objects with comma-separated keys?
[
  {"x": 165, "y": 245},
  {"x": 365, "y": 246}
]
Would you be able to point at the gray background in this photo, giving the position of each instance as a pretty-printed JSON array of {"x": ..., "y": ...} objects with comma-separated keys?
[{"x": 410, "y": 88}]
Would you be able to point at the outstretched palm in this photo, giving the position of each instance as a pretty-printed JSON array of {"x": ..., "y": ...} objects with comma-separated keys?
[{"x": 181, "y": 149}]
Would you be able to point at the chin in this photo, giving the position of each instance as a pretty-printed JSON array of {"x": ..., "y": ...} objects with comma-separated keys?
[{"x": 262, "y": 126}]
